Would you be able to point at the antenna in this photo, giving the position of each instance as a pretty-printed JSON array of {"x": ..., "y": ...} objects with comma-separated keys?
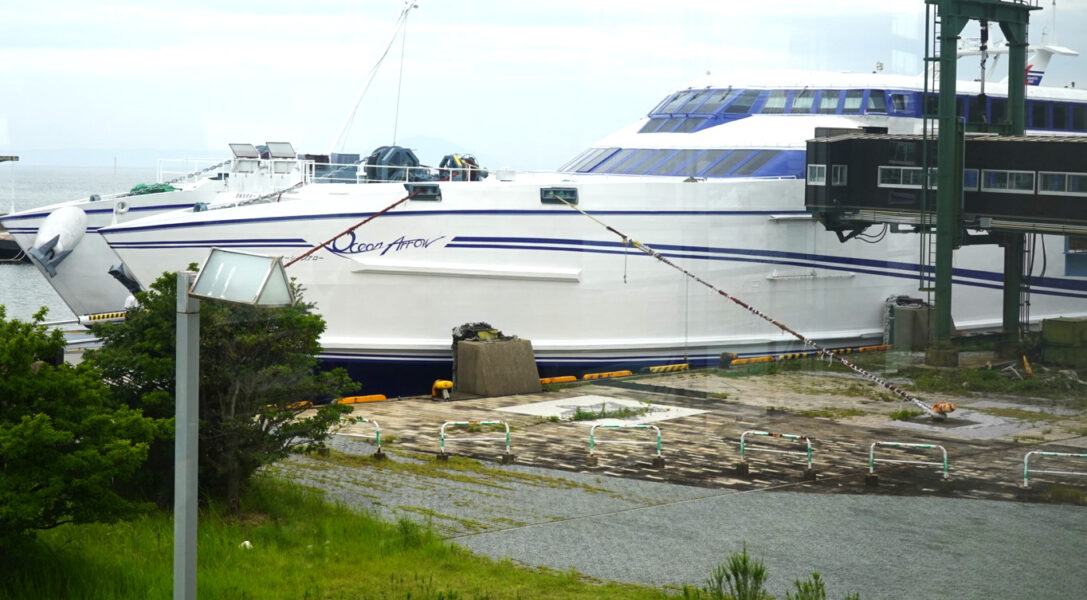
[{"x": 400, "y": 22}]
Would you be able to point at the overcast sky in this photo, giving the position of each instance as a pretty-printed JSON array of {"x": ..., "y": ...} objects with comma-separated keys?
[{"x": 521, "y": 84}]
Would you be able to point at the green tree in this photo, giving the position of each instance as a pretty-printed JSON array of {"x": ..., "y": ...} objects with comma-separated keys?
[
  {"x": 258, "y": 376},
  {"x": 64, "y": 444}
]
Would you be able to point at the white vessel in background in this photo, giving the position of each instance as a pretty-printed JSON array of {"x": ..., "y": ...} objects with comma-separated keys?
[
  {"x": 712, "y": 178},
  {"x": 62, "y": 239}
]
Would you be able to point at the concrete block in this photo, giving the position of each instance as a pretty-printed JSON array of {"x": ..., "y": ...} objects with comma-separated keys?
[
  {"x": 379, "y": 454},
  {"x": 1065, "y": 331},
  {"x": 507, "y": 459},
  {"x": 809, "y": 474},
  {"x": 871, "y": 480},
  {"x": 658, "y": 462},
  {"x": 592, "y": 460},
  {"x": 441, "y": 456},
  {"x": 497, "y": 368},
  {"x": 742, "y": 468}
]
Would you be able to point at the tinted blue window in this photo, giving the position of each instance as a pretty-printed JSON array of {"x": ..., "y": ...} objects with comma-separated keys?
[
  {"x": 645, "y": 160},
  {"x": 752, "y": 165},
  {"x": 802, "y": 102},
  {"x": 828, "y": 102},
  {"x": 1060, "y": 116},
  {"x": 594, "y": 159},
  {"x": 743, "y": 103},
  {"x": 877, "y": 102},
  {"x": 577, "y": 159},
  {"x": 1039, "y": 115},
  {"x": 621, "y": 165},
  {"x": 609, "y": 163},
  {"x": 674, "y": 162},
  {"x": 696, "y": 100},
  {"x": 729, "y": 163},
  {"x": 652, "y": 125},
  {"x": 650, "y": 162},
  {"x": 690, "y": 124},
  {"x": 670, "y": 124},
  {"x": 716, "y": 100},
  {"x": 775, "y": 103},
  {"x": 680, "y": 99}
]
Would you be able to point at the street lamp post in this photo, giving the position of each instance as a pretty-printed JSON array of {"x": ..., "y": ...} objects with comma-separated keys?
[{"x": 226, "y": 276}]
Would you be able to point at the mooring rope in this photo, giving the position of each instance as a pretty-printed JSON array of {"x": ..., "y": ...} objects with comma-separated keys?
[{"x": 808, "y": 342}]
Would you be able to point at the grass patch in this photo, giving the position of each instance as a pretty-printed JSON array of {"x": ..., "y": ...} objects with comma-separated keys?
[
  {"x": 905, "y": 414},
  {"x": 623, "y": 412},
  {"x": 302, "y": 547},
  {"x": 1063, "y": 493},
  {"x": 832, "y": 413},
  {"x": 1028, "y": 438},
  {"x": 456, "y": 468},
  {"x": 993, "y": 381}
]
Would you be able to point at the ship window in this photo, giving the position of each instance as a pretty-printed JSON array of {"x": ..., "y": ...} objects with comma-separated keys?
[
  {"x": 587, "y": 159},
  {"x": 898, "y": 102},
  {"x": 614, "y": 159},
  {"x": 717, "y": 99},
  {"x": 817, "y": 174},
  {"x": 969, "y": 180},
  {"x": 1039, "y": 115},
  {"x": 932, "y": 105},
  {"x": 621, "y": 165},
  {"x": 674, "y": 162},
  {"x": 679, "y": 100},
  {"x": 650, "y": 161},
  {"x": 978, "y": 114},
  {"x": 742, "y": 104},
  {"x": 661, "y": 105},
  {"x": 998, "y": 107},
  {"x": 1079, "y": 117},
  {"x": 576, "y": 160},
  {"x": 775, "y": 104},
  {"x": 802, "y": 101},
  {"x": 652, "y": 125},
  {"x": 1077, "y": 183},
  {"x": 838, "y": 175},
  {"x": 690, "y": 124},
  {"x": 1060, "y": 116},
  {"x": 729, "y": 163},
  {"x": 590, "y": 164},
  {"x": 697, "y": 99},
  {"x": 877, "y": 103},
  {"x": 701, "y": 161},
  {"x": 1014, "y": 182},
  {"x": 756, "y": 162},
  {"x": 670, "y": 124},
  {"x": 852, "y": 104},
  {"x": 828, "y": 102}
]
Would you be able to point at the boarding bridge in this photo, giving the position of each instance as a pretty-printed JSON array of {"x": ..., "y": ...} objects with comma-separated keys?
[{"x": 1006, "y": 183}]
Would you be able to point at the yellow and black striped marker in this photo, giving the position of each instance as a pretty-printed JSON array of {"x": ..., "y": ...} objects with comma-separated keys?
[{"x": 669, "y": 368}]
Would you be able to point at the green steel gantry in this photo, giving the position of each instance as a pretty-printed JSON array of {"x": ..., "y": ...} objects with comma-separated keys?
[{"x": 1013, "y": 16}]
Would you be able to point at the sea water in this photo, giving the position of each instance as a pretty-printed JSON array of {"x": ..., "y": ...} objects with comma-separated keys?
[{"x": 23, "y": 289}]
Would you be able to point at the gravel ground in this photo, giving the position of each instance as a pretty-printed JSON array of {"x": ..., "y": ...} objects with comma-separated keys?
[{"x": 662, "y": 534}]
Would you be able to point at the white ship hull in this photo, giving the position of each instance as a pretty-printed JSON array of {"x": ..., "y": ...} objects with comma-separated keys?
[{"x": 490, "y": 251}]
